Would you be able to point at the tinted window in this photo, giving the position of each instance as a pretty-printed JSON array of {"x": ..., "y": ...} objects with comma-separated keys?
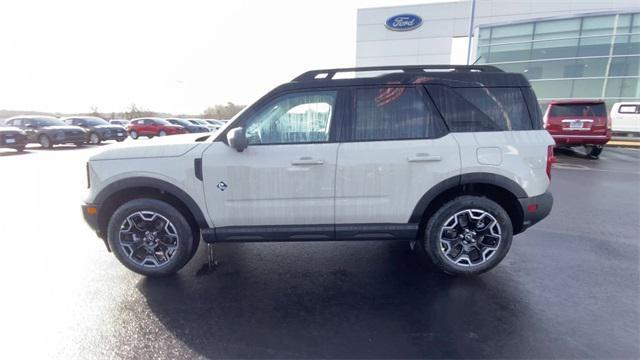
[
  {"x": 586, "y": 109},
  {"x": 293, "y": 118},
  {"x": 482, "y": 109},
  {"x": 394, "y": 113},
  {"x": 534, "y": 108}
]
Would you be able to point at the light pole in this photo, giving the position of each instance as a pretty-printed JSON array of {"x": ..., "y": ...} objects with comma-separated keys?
[{"x": 473, "y": 13}]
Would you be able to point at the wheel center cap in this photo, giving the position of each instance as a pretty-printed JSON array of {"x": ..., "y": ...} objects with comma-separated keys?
[{"x": 150, "y": 238}]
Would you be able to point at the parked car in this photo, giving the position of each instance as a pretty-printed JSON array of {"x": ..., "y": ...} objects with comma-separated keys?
[
  {"x": 579, "y": 123},
  {"x": 153, "y": 126},
  {"x": 121, "y": 122},
  {"x": 217, "y": 123},
  {"x": 48, "y": 131},
  {"x": 99, "y": 129},
  {"x": 13, "y": 138},
  {"x": 201, "y": 122},
  {"x": 457, "y": 162},
  {"x": 625, "y": 118},
  {"x": 188, "y": 125}
]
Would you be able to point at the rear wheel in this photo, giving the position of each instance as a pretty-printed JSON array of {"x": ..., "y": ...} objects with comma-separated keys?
[
  {"x": 150, "y": 237},
  {"x": 162, "y": 133},
  {"x": 45, "y": 142},
  {"x": 133, "y": 134},
  {"x": 593, "y": 151},
  {"x": 20, "y": 148},
  {"x": 468, "y": 236}
]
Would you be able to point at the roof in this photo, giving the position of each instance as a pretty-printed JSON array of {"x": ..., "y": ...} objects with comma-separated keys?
[
  {"x": 450, "y": 75},
  {"x": 576, "y": 101}
]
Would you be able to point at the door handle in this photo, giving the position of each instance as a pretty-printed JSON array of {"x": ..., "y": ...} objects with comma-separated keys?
[
  {"x": 424, "y": 158},
  {"x": 307, "y": 161}
]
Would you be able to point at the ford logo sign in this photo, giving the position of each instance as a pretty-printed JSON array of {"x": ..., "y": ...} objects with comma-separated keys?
[{"x": 403, "y": 22}]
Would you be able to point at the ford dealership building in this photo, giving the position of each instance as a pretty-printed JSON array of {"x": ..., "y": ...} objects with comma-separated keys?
[{"x": 567, "y": 48}]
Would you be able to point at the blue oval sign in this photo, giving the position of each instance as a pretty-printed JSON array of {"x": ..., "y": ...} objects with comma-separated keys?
[{"x": 403, "y": 22}]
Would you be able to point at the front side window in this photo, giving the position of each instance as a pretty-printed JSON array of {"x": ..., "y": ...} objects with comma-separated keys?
[
  {"x": 394, "y": 113},
  {"x": 293, "y": 118}
]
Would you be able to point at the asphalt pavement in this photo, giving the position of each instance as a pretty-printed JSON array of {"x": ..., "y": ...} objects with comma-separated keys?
[{"x": 569, "y": 288}]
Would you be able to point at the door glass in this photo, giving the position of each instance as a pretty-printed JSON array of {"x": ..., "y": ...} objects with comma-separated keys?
[{"x": 293, "y": 118}]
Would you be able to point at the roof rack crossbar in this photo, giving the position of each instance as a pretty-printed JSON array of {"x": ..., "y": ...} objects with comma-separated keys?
[{"x": 328, "y": 74}]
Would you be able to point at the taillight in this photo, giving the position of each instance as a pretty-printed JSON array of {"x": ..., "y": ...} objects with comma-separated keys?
[
  {"x": 550, "y": 160},
  {"x": 608, "y": 122}
]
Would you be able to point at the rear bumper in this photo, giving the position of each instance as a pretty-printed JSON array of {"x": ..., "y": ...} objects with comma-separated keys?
[
  {"x": 535, "y": 208},
  {"x": 13, "y": 141},
  {"x": 579, "y": 139}
]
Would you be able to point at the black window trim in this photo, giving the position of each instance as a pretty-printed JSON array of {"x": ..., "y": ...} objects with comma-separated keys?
[
  {"x": 635, "y": 111},
  {"x": 350, "y": 120}
]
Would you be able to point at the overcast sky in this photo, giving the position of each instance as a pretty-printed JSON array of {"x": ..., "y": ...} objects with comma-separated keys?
[{"x": 173, "y": 56}]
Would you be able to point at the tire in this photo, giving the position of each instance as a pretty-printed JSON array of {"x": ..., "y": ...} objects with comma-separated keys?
[
  {"x": 482, "y": 252},
  {"x": 79, "y": 144},
  {"x": 45, "y": 142},
  {"x": 94, "y": 139},
  {"x": 119, "y": 140},
  {"x": 593, "y": 151},
  {"x": 20, "y": 148},
  {"x": 135, "y": 251},
  {"x": 133, "y": 134},
  {"x": 162, "y": 133}
]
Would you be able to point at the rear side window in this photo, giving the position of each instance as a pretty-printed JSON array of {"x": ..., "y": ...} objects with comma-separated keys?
[
  {"x": 482, "y": 108},
  {"x": 394, "y": 113},
  {"x": 628, "y": 109},
  {"x": 583, "y": 109}
]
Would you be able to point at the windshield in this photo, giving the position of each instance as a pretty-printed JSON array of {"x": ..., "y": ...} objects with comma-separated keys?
[
  {"x": 50, "y": 122},
  {"x": 198, "y": 122},
  {"x": 95, "y": 121},
  {"x": 162, "y": 121},
  {"x": 180, "y": 122}
]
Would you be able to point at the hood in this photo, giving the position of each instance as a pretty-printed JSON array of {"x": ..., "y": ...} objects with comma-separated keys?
[
  {"x": 62, "y": 127},
  {"x": 158, "y": 147}
]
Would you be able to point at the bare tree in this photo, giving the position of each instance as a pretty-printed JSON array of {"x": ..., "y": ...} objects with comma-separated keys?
[{"x": 222, "y": 112}]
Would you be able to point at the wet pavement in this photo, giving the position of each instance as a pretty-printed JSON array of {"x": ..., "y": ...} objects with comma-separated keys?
[{"x": 570, "y": 286}]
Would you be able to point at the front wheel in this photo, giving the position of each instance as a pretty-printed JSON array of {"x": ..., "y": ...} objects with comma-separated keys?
[
  {"x": 94, "y": 139},
  {"x": 468, "y": 236},
  {"x": 45, "y": 142},
  {"x": 593, "y": 151},
  {"x": 150, "y": 237}
]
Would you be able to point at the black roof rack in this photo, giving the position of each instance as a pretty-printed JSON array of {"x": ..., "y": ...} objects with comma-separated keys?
[{"x": 328, "y": 74}]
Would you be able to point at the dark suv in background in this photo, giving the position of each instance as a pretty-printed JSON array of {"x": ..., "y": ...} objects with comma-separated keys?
[
  {"x": 48, "y": 130},
  {"x": 99, "y": 129},
  {"x": 192, "y": 128}
]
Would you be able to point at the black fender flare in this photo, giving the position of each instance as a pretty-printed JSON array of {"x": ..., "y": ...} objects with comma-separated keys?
[
  {"x": 160, "y": 185},
  {"x": 470, "y": 178}
]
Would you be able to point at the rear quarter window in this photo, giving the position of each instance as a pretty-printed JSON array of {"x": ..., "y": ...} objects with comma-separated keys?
[{"x": 482, "y": 108}]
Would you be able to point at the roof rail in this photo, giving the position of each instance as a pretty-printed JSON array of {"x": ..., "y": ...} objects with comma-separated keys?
[{"x": 328, "y": 74}]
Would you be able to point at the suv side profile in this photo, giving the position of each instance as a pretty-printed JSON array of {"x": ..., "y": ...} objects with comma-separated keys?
[
  {"x": 99, "y": 129},
  {"x": 451, "y": 158},
  {"x": 48, "y": 130},
  {"x": 151, "y": 127}
]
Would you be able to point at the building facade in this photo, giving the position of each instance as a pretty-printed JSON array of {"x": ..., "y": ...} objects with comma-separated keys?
[{"x": 567, "y": 49}]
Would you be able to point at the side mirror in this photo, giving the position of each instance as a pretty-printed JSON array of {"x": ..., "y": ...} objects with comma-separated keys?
[{"x": 237, "y": 139}]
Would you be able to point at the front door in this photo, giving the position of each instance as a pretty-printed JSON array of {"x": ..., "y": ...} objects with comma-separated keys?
[{"x": 285, "y": 178}]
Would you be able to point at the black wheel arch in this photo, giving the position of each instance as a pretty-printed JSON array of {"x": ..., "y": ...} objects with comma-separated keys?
[
  {"x": 498, "y": 188},
  {"x": 121, "y": 191}
]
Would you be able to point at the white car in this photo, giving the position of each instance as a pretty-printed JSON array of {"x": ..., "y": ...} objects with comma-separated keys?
[
  {"x": 456, "y": 162},
  {"x": 625, "y": 118}
]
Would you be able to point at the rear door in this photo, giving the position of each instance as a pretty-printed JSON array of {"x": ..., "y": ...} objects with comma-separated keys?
[{"x": 395, "y": 149}]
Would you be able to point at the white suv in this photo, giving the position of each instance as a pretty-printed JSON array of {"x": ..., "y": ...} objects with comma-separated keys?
[{"x": 451, "y": 157}]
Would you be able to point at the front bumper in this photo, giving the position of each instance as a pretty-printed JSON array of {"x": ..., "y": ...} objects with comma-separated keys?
[
  {"x": 535, "y": 208},
  {"x": 90, "y": 213},
  {"x": 114, "y": 135}
]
